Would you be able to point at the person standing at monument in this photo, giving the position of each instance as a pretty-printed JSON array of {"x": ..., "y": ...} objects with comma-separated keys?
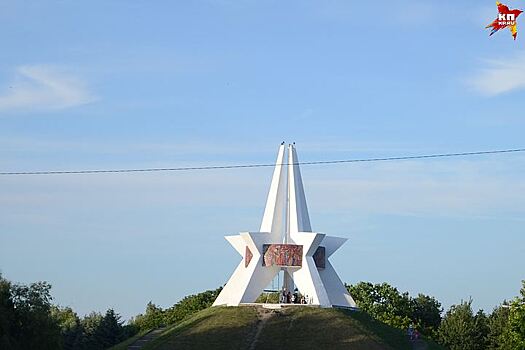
[{"x": 410, "y": 332}]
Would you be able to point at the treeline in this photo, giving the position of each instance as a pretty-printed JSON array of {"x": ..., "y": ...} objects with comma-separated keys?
[
  {"x": 155, "y": 316},
  {"x": 459, "y": 328},
  {"x": 29, "y": 320}
]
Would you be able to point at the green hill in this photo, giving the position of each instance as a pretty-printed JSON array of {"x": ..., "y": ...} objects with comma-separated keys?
[{"x": 249, "y": 327}]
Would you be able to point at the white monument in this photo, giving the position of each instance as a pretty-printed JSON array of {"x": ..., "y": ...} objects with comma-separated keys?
[{"x": 286, "y": 242}]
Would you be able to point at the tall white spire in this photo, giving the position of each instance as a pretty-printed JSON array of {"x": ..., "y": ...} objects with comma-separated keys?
[
  {"x": 298, "y": 218},
  {"x": 273, "y": 217}
]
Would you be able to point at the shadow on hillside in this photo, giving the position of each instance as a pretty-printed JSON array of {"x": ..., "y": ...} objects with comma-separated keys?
[
  {"x": 311, "y": 328},
  {"x": 213, "y": 331},
  {"x": 392, "y": 336}
]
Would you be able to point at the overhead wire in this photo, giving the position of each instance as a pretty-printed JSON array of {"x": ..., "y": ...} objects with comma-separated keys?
[{"x": 262, "y": 165}]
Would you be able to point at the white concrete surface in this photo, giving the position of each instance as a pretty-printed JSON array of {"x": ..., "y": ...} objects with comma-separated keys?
[{"x": 285, "y": 219}]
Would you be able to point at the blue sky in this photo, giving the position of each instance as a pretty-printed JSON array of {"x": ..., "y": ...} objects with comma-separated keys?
[{"x": 120, "y": 84}]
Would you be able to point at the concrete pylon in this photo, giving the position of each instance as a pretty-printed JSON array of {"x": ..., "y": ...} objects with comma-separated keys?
[
  {"x": 299, "y": 220},
  {"x": 273, "y": 217},
  {"x": 286, "y": 227}
]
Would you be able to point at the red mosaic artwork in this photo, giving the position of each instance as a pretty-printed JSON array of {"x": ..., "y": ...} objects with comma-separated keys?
[
  {"x": 319, "y": 257},
  {"x": 282, "y": 254},
  {"x": 248, "y": 255}
]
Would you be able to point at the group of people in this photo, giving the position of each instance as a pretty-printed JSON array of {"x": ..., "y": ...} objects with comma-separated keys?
[
  {"x": 413, "y": 334},
  {"x": 286, "y": 297}
]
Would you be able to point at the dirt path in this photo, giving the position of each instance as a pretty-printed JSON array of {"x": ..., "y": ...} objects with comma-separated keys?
[
  {"x": 263, "y": 315},
  {"x": 139, "y": 343}
]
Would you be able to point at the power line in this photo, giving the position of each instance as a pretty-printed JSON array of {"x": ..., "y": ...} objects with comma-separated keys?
[{"x": 239, "y": 166}]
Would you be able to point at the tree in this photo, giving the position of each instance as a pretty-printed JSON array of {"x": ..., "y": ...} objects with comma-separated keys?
[
  {"x": 481, "y": 330},
  {"x": 34, "y": 328},
  {"x": 497, "y": 324},
  {"x": 513, "y": 336},
  {"x": 102, "y": 331},
  {"x": 6, "y": 315},
  {"x": 111, "y": 329},
  {"x": 460, "y": 329},
  {"x": 385, "y": 303},
  {"x": 25, "y": 317},
  {"x": 70, "y": 327},
  {"x": 91, "y": 334},
  {"x": 153, "y": 317},
  {"x": 426, "y": 313},
  {"x": 191, "y": 304}
]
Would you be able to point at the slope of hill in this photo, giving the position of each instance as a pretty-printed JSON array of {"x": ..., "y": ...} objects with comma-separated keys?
[{"x": 305, "y": 328}]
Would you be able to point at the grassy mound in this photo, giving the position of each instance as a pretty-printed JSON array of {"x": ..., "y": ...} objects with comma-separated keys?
[
  {"x": 212, "y": 328},
  {"x": 289, "y": 328}
]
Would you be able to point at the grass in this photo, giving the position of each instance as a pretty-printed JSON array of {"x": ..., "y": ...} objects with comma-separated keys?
[
  {"x": 212, "y": 328},
  {"x": 392, "y": 336},
  {"x": 299, "y": 327},
  {"x": 315, "y": 328}
]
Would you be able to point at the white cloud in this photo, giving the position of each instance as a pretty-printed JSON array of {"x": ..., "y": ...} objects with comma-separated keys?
[
  {"x": 500, "y": 76},
  {"x": 44, "y": 88}
]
